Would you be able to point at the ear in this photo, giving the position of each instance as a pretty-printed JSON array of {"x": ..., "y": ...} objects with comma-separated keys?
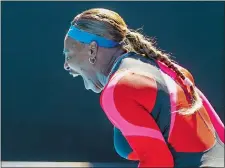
[{"x": 93, "y": 48}]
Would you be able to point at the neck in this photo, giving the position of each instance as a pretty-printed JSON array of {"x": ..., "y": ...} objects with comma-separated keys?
[
  {"x": 106, "y": 69},
  {"x": 112, "y": 61}
]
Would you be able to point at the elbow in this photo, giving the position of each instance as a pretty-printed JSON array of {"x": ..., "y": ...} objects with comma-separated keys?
[
  {"x": 120, "y": 152},
  {"x": 127, "y": 154}
]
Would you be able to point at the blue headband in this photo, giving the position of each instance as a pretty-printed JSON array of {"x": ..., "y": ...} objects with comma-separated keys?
[{"x": 87, "y": 38}]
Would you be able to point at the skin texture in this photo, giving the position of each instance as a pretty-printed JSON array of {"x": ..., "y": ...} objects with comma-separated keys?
[{"x": 77, "y": 62}]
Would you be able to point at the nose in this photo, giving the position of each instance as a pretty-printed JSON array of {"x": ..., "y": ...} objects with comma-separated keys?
[{"x": 66, "y": 66}]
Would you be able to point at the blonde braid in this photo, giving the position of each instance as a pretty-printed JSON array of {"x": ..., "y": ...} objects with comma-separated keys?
[{"x": 135, "y": 41}]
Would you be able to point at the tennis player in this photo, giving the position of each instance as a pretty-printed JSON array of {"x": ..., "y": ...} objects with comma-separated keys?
[{"x": 160, "y": 117}]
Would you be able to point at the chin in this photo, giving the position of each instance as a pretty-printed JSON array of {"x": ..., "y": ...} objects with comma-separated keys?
[
  {"x": 94, "y": 87},
  {"x": 96, "y": 90}
]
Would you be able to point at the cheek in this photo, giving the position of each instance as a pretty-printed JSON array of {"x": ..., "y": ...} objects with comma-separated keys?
[
  {"x": 87, "y": 77},
  {"x": 72, "y": 63},
  {"x": 75, "y": 66}
]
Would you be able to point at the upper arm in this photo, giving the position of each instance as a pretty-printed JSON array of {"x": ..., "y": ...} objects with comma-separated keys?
[{"x": 132, "y": 98}]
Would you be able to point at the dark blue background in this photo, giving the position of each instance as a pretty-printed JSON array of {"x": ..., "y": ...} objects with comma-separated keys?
[{"x": 48, "y": 115}]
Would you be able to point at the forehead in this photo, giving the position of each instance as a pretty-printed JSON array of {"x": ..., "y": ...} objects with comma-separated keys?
[{"x": 70, "y": 43}]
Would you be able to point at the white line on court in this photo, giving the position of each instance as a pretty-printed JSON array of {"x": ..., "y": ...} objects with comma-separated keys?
[{"x": 64, "y": 164}]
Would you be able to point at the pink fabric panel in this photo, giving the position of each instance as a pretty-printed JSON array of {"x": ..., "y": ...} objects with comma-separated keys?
[{"x": 113, "y": 114}]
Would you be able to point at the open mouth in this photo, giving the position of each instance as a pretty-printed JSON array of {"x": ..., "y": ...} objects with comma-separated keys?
[{"x": 74, "y": 75}]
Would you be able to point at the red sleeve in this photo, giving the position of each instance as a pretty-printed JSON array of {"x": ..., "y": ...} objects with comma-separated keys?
[{"x": 134, "y": 97}]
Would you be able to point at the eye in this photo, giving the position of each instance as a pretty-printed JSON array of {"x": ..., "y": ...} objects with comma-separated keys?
[{"x": 67, "y": 57}]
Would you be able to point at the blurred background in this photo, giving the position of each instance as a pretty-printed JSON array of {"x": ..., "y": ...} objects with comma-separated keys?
[{"x": 49, "y": 116}]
